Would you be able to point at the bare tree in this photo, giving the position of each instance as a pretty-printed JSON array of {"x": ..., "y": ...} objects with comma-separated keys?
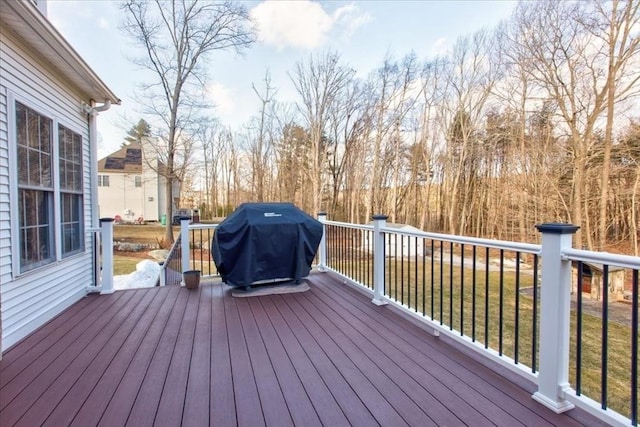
[
  {"x": 177, "y": 37},
  {"x": 261, "y": 148},
  {"x": 319, "y": 83}
]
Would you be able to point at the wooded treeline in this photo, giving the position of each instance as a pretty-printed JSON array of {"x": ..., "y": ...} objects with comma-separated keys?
[{"x": 534, "y": 121}]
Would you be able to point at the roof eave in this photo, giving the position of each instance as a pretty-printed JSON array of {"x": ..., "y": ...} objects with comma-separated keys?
[{"x": 44, "y": 38}]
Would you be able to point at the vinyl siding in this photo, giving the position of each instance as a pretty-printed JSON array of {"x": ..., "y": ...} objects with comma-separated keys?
[{"x": 33, "y": 298}]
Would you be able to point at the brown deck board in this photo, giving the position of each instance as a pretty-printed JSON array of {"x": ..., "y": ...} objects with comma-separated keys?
[
  {"x": 143, "y": 411},
  {"x": 171, "y": 356},
  {"x": 301, "y": 410}
]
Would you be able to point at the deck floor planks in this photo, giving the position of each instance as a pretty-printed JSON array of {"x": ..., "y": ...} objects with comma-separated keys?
[
  {"x": 375, "y": 372},
  {"x": 317, "y": 342},
  {"x": 171, "y": 407},
  {"x": 172, "y": 356},
  {"x": 274, "y": 407},
  {"x": 349, "y": 402},
  {"x": 39, "y": 341},
  {"x": 317, "y": 391},
  {"x": 402, "y": 376},
  {"x": 247, "y": 398},
  {"x": 86, "y": 385},
  {"x": 63, "y": 370},
  {"x": 145, "y": 406},
  {"x": 222, "y": 406},
  {"x": 119, "y": 406},
  {"x": 301, "y": 410},
  {"x": 44, "y": 347},
  {"x": 412, "y": 361},
  {"x": 486, "y": 382},
  {"x": 196, "y": 406},
  {"x": 105, "y": 365}
]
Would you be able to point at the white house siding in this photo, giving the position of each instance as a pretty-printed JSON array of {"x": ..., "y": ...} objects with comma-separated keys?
[
  {"x": 31, "y": 299},
  {"x": 121, "y": 195}
]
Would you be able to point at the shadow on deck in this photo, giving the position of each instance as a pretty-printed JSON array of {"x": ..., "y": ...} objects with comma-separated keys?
[{"x": 170, "y": 356}]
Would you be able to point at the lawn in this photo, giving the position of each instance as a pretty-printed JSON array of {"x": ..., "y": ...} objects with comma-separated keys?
[{"x": 125, "y": 262}]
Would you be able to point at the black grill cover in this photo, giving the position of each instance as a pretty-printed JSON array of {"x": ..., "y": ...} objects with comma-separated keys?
[{"x": 265, "y": 242}]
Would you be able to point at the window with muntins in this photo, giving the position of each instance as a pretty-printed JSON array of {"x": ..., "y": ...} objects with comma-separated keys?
[
  {"x": 137, "y": 181},
  {"x": 103, "y": 180},
  {"x": 35, "y": 188},
  {"x": 39, "y": 148},
  {"x": 70, "y": 160}
]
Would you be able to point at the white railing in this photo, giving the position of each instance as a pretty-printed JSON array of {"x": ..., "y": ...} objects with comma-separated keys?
[
  {"x": 190, "y": 251},
  {"x": 508, "y": 301},
  {"x": 102, "y": 257},
  {"x": 367, "y": 257}
]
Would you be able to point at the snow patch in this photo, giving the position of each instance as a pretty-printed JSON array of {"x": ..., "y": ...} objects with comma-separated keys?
[{"x": 146, "y": 276}]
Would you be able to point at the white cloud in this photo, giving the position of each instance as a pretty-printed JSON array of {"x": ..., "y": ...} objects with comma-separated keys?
[
  {"x": 223, "y": 99},
  {"x": 440, "y": 46},
  {"x": 304, "y": 23},
  {"x": 104, "y": 23}
]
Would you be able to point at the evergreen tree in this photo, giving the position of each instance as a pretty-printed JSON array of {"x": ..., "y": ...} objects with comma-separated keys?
[{"x": 137, "y": 132}]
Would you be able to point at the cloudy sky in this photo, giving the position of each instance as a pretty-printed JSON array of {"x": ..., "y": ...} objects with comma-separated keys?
[{"x": 364, "y": 32}]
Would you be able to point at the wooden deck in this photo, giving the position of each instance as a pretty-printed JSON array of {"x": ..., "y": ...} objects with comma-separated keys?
[{"x": 170, "y": 356}]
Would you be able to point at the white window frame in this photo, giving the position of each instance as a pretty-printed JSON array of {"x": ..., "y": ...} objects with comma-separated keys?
[
  {"x": 101, "y": 180},
  {"x": 56, "y": 121},
  {"x": 137, "y": 181},
  {"x": 77, "y": 194}
]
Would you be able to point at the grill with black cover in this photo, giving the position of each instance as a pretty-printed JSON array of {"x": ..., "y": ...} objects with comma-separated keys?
[{"x": 265, "y": 243}]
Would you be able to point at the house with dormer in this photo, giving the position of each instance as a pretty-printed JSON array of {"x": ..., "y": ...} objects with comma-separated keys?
[{"x": 131, "y": 187}]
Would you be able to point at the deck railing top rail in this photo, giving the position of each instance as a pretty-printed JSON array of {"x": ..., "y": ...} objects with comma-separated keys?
[{"x": 607, "y": 258}]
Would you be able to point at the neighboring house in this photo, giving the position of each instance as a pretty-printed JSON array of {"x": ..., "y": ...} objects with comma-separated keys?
[
  {"x": 49, "y": 101},
  {"x": 129, "y": 186}
]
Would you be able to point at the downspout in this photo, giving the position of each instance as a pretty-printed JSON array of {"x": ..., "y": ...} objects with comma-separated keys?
[{"x": 92, "y": 111}]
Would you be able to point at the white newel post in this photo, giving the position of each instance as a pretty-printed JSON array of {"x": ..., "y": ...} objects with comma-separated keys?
[
  {"x": 322, "y": 249},
  {"x": 379, "y": 221},
  {"x": 184, "y": 242},
  {"x": 555, "y": 308},
  {"x": 106, "y": 227}
]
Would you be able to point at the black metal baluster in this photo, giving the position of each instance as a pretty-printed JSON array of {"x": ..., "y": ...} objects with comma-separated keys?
[
  {"x": 634, "y": 348},
  {"x": 450, "y": 286},
  {"x": 462, "y": 289},
  {"x": 433, "y": 251},
  {"x": 473, "y": 297},
  {"x": 501, "y": 307},
  {"x": 579, "y": 331},
  {"x": 415, "y": 260},
  {"x": 516, "y": 340},
  {"x": 441, "y": 279},
  {"x": 402, "y": 269},
  {"x": 395, "y": 265},
  {"x": 424, "y": 278},
  {"x": 605, "y": 332},
  {"x": 534, "y": 341},
  {"x": 486, "y": 298}
]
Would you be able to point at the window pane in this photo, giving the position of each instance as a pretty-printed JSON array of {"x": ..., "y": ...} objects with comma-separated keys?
[
  {"x": 45, "y": 164},
  {"x": 33, "y": 130},
  {"x": 45, "y": 134},
  {"x": 23, "y": 166},
  {"x": 36, "y": 236},
  {"x": 71, "y": 205},
  {"x": 33, "y": 141},
  {"x": 45, "y": 242},
  {"x": 70, "y": 151},
  {"x": 21, "y": 124}
]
